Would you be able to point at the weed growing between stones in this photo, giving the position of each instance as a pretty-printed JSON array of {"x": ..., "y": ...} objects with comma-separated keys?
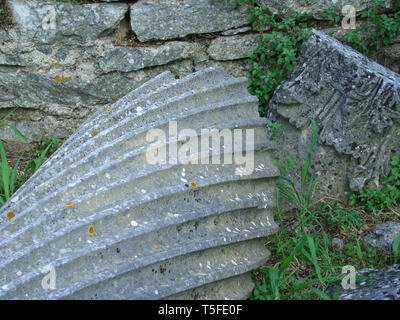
[
  {"x": 276, "y": 52},
  {"x": 384, "y": 26}
]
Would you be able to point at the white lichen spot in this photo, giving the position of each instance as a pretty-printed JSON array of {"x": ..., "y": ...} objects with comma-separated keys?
[{"x": 134, "y": 223}]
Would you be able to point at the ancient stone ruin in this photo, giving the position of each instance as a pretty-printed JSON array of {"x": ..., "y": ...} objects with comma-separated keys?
[{"x": 110, "y": 224}]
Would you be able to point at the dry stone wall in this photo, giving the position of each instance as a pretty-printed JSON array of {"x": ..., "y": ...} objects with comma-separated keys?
[{"x": 98, "y": 52}]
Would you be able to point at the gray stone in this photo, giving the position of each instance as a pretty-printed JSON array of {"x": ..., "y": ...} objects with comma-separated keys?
[
  {"x": 236, "y": 68},
  {"x": 165, "y": 19},
  {"x": 115, "y": 226},
  {"x": 375, "y": 284},
  {"x": 232, "y": 48},
  {"x": 338, "y": 243},
  {"x": 383, "y": 235},
  {"x": 131, "y": 59},
  {"x": 74, "y": 23},
  {"x": 356, "y": 105},
  {"x": 314, "y": 9}
]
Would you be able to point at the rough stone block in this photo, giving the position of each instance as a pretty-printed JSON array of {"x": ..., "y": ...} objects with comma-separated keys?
[
  {"x": 356, "y": 105},
  {"x": 73, "y": 23},
  {"x": 164, "y": 19}
]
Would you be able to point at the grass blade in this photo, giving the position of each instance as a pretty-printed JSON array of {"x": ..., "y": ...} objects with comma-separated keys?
[
  {"x": 5, "y": 172},
  {"x": 313, "y": 252}
]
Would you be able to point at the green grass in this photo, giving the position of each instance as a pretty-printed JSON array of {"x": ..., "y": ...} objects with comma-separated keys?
[{"x": 10, "y": 178}]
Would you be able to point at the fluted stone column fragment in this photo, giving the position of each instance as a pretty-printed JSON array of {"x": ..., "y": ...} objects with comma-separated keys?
[{"x": 111, "y": 225}]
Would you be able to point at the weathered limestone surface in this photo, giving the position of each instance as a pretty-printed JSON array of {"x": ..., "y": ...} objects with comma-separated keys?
[
  {"x": 232, "y": 48},
  {"x": 131, "y": 59},
  {"x": 356, "y": 105},
  {"x": 164, "y": 19},
  {"x": 314, "y": 9},
  {"x": 115, "y": 226},
  {"x": 383, "y": 236},
  {"x": 376, "y": 284},
  {"x": 73, "y": 23}
]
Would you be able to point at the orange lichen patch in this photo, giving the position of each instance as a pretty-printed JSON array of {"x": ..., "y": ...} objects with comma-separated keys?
[
  {"x": 55, "y": 63},
  {"x": 199, "y": 89},
  {"x": 156, "y": 248},
  {"x": 115, "y": 159},
  {"x": 214, "y": 123},
  {"x": 155, "y": 90},
  {"x": 130, "y": 259},
  {"x": 70, "y": 204},
  {"x": 90, "y": 230},
  {"x": 108, "y": 110},
  {"x": 95, "y": 133},
  {"x": 10, "y": 214},
  {"x": 214, "y": 101},
  {"x": 193, "y": 185},
  {"x": 259, "y": 138},
  {"x": 59, "y": 79},
  {"x": 177, "y": 279},
  {"x": 42, "y": 238}
]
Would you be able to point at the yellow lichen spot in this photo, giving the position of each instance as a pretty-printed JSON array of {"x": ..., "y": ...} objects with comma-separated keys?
[
  {"x": 177, "y": 279},
  {"x": 156, "y": 248},
  {"x": 130, "y": 259},
  {"x": 55, "y": 63},
  {"x": 70, "y": 204},
  {"x": 199, "y": 89},
  {"x": 10, "y": 214},
  {"x": 42, "y": 238},
  {"x": 155, "y": 90},
  {"x": 59, "y": 79},
  {"x": 193, "y": 185},
  {"x": 259, "y": 138},
  {"x": 108, "y": 110},
  {"x": 95, "y": 133},
  {"x": 115, "y": 159},
  {"x": 129, "y": 226},
  {"x": 90, "y": 230},
  {"x": 214, "y": 123}
]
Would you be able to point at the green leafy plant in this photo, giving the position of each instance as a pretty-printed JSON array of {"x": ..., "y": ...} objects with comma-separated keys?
[
  {"x": 332, "y": 15},
  {"x": 48, "y": 142},
  {"x": 380, "y": 28},
  {"x": 275, "y": 54}
]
